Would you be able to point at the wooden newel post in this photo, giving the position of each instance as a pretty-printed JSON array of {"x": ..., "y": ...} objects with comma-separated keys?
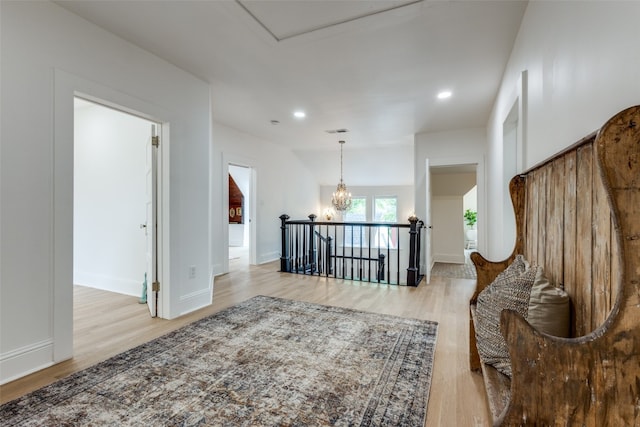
[
  {"x": 412, "y": 271},
  {"x": 284, "y": 256},
  {"x": 312, "y": 245}
]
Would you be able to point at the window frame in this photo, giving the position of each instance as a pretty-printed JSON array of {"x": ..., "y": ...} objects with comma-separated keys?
[
  {"x": 366, "y": 203},
  {"x": 373, "y": 206}
]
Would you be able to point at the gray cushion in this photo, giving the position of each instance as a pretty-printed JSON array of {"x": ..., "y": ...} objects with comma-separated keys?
[
  {"x": 510, "y": 290},
  {"x": 549, "y": 310}
]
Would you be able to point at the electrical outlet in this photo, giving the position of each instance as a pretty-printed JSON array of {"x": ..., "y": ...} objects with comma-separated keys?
[{"x": 192, "y": 272}]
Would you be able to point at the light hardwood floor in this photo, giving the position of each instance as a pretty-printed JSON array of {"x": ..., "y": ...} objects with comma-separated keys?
[{"x": 106, "y": 324}]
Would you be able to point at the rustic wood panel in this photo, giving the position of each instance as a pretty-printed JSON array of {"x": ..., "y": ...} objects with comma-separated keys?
[
  {"x": 567, "y": 230},
  {"x": 570, "y": 223},
  {"x": 531, "y": 219},
  {"x": 581, "y": 299},
  {"x": 601, "y": 255},
  {"x": 517, "y": 190},
  {"x": 616, "y": 271},
  {"x": 543, "y": 193},
  {"x": 555, "y": 223}
]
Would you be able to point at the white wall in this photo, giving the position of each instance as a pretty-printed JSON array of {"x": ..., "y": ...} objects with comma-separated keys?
[
  {"x": 457, "y": 147},
  {"x": 362, "y": 167},
  {"x": 404, "y": 193},
  {"x": 582, "y": 62},
  {"x": 109, "y": 199},
  {"x": 47, "y": 55},
  {"x": 447, "y": 209},
  {"x": 283, "y": 186},
  {"x": 470, "y": 200},
  {"x": 452, "y": 184},
  {"x": 447, "y": 238}
]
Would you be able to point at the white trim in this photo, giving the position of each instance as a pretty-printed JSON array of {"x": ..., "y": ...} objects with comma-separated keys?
[
  {"x": 108, "y": 283},
  {"x": 194, "y": 300},
  {"x": 269, "y": 257},
  {"x": 233, "y": 159},
  {"x": 66, "y": 87},
  {"x": 26, "y": 360},
  {"x": 519, "y": 96},
  {"x": 448, "y": 258},
  {"x": 479, "y": 161},
  {"x": 163, "y": 252},
  {"x": 396, "y": 13}
]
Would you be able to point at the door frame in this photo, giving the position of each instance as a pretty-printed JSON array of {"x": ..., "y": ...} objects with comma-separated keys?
[
  {"x": 428, "y": 250},
  {"x": 66, "y": 87},
  {"x": 227, "y": 160},
  {"x": 151, "y": 230},
  {"x": 479, "y": 161}
]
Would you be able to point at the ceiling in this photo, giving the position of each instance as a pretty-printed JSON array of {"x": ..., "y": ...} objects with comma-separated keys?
[{"x": 372, "y": 67}]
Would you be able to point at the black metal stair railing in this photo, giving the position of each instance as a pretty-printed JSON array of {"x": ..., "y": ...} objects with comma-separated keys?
[{"x": 362, "y": 251}]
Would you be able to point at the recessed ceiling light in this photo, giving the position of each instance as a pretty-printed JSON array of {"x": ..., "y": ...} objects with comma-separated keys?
[
  {"x": 444, "y": 94},
  {"x": 299, "y": 114}
]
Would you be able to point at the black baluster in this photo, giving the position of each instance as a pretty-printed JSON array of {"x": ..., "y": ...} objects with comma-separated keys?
[{"x": 380, "y": 274}]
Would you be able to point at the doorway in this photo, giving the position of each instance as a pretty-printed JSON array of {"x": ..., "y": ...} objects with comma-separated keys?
[
  {"x": 453, "y": 185},
  {"x": 453, "y": 191},
  {"x": 115, "y": 241},
  {"x": 239, "y": 218}
]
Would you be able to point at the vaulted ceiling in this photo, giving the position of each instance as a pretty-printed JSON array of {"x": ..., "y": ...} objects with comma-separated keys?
[{"x": 373, "y": 67}]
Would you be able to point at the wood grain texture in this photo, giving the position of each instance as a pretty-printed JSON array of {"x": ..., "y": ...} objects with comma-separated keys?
[
  {"x": 601, "y": 254},
  {"x": 570, "y": 283},
  {"x": 582, "y": 224},
  {"x": 543, "y": 198},
  {"x": 581, "y": 296},
  {"x": 554, "y": 253}
]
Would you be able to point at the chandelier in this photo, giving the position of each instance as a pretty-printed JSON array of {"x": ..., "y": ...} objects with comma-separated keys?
[{"x": 341, "y": 199}]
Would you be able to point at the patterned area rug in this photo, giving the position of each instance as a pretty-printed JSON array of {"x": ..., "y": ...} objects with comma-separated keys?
[
  {"x": 265, "y": 362},
  {"x": 454, "y": 271}
]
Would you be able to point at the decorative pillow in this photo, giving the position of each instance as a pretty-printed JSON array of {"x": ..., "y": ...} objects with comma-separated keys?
[
  {"x": 510, "y": 290},
  {"x": 549, "y": 309}
]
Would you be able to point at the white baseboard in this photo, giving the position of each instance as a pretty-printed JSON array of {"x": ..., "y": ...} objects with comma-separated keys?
[
  {"x": 268, "y": 257},
  {"x": 25, "y": 360},
  {"x": 449, "y": 258},
  {"x": 217, "y": 270},
  {"x": 195, "y": 300},
  {"x": 109, "y": 283}
]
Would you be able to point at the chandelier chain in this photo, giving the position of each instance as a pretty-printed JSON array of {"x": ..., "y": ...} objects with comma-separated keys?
[{"x": 341, "y": 199}]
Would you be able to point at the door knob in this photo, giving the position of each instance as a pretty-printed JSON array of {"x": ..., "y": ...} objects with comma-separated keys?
[{"x": 143, "y": 225}]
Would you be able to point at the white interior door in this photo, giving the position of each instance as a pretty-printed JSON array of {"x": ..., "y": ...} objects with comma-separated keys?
[
  {"x": 427, "y": 222},
  {"x": 151, "y": 225}
]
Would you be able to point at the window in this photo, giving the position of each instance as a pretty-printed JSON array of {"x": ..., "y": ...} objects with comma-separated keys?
[
  {"x": 385, "y": 209},
  {"x": 354, "y": 235},
  {"x": 358, "y": 210}
]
